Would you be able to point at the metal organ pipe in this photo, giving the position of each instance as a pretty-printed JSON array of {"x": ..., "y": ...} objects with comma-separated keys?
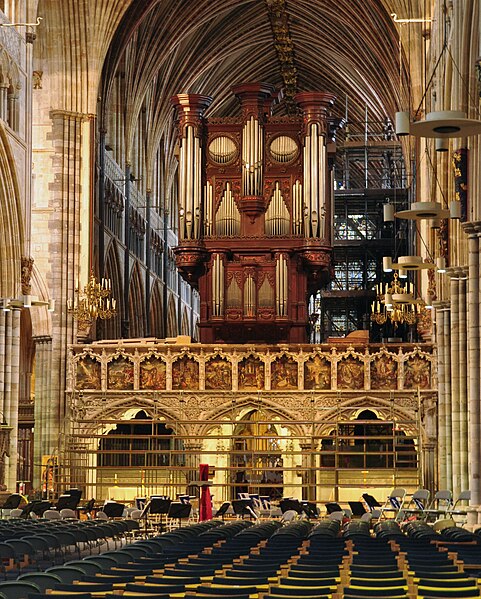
[
  {"x": 297, "y": 215},
  {"x": 208, "y": 209},
  {"x": 182, "y": 190},
  {"x": 249, "y": 296},
  {"x": 282, "y": 287},
  {"x": 252, "y": 148},
  {"x": 188, "y": 184},
  {"x": 314, "y": 183},
  {"x": 197, "y": 187},
  {"x": 307, "y": 186},
  {"x": 218, "y": 286}
]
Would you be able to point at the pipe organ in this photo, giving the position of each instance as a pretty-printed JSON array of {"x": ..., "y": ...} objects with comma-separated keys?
[{"x": 255, "y": 198}]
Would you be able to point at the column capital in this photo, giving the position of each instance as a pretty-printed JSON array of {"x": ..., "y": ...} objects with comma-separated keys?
[
  {"x": 457, "y": 272},
  {"x": 69, "y": 115},
  {"x": 442, "y": 305},
  {"x": 472, "y": 228}
]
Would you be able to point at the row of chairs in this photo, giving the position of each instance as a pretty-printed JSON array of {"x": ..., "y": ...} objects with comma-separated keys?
[
  {"x": 442, "y": 505},
  {"x": 243, "y": 560}
]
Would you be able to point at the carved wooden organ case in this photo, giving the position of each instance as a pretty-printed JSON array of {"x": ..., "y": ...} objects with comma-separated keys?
[{"x": 255, "y": 216}]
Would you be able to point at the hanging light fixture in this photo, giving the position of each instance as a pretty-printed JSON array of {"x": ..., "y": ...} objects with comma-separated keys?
[
  {"x": 444, "y": 124},
  {"x": 423, "y": 210},
  {"x": 94, "y": 301},
  {"x": 396, "y": 302},
  {"x": 412, "y": 263}
]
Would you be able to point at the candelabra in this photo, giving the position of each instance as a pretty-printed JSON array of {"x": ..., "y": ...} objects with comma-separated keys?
[
  {"x": 396, "y": 302},
  {"x": 95, "y": 301}
]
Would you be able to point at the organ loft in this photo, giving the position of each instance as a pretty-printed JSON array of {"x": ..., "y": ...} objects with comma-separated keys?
[{"x": 255, "y": 213}]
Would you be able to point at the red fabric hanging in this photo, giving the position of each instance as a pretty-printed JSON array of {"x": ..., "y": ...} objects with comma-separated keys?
[{"x": 205, "y": 507}]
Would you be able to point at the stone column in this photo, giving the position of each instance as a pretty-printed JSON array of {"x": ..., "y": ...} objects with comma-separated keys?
[
  {"x": 444, "y": 435},
  {"x": 11, "y": 389},
  {"x": 43, "y": 352},
  {"x": 68, "y": 258},
  {"x": 455, "y": 383},
  {"x": 447, "y": 448},
  {"x": 463, "y": 383},
  {"x": 473, "y": 230}
]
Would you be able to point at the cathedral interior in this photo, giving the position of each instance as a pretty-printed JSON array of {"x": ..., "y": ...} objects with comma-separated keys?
[{"x": 242, "y": 233}]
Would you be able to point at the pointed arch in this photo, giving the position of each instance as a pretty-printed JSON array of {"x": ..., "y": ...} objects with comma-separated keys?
[
  {"x": 156, "y": 312},
  {"x": 10, "y": 221},
  {"x": 172, "y": 328},
  {"x": 41, "y": 317},
  {"x": 112, "y": 271},
  {"x": 185, "y": 325},
  {"x": 136, "y": 304}
]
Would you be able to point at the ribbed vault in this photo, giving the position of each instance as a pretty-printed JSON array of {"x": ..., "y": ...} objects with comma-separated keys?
[{"x": 349, "y": 47}]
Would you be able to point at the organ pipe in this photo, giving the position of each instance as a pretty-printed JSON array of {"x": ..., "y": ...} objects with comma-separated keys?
[
  {"x": 208, "y": 209},
  {"x": 218, "y": 286},
  {"x": 249, "y": 296},
  {"x": 252, "y": 152},
  {"x": 282, "y": 285},
  {"x": 190, "y": 108},
  {"x": 314, "y": 183},
  {"x": 297, "y": 213},
  {"x": 227, "y": 219},
  {"x": 277, "y": 214}
]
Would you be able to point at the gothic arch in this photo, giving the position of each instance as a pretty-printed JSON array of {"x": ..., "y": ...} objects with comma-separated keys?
[
  {"x": 136, "y": 304},
  {"x": 112, "y": 271},
  {"x": 10, "y": 221},
  {"x": 172, "y": 327},
  {"x": 40, "y": 316},
  {"x": 185, "y": 326},
  {"x": 156, "y": 312}
]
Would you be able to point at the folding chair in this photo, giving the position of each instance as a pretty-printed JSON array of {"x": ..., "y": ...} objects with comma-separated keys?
[
  {"x": 440, "y": 505},
  {"x": 395, "y": 502},
  {"x": 456, "y": 511},
  {"x": 418, "y": 504}
]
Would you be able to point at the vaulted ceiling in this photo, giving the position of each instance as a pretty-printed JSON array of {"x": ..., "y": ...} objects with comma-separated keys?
[{"x": 348, "y": 47}]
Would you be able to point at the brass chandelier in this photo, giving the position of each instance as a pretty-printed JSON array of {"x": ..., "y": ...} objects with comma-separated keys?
[
  {"x": 396, "y": 302},
  {"x": 94, "y": 301}
]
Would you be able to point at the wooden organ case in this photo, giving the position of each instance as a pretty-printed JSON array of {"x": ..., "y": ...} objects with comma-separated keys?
[{"x": 255, "y": 213}]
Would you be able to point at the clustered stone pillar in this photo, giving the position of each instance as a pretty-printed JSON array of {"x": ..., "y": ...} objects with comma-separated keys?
[
  {"x": 43, "y": 406},
  {"x": 473, "y": 229},
  {"x": 9, "y": 394},
  {"x": 455, "y": 386},
  {"x": 444, "y": 401},
  {"x": 69, "y": 135}
]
